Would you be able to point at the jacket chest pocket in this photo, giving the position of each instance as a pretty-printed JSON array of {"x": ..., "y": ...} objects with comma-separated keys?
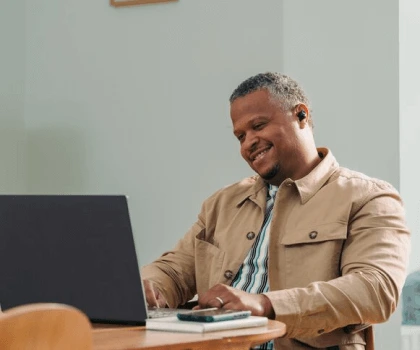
[
  {"x": 209, "y": 261},
  {"x": 313, "y": 254}
]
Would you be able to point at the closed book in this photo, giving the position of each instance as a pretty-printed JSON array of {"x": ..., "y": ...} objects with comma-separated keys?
[{"x": 175, "y": 325}]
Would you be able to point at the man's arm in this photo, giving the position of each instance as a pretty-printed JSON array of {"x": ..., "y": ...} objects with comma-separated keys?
[
  {"x": 153, "y": 295},
  {"x": 173, "y": 274},
  {"x": 373, "y": 267}
]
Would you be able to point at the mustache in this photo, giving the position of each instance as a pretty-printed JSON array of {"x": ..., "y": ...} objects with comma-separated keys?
[{"x": 255, "y": 146}]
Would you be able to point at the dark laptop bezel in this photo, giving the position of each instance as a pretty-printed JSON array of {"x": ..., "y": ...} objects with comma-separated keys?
[{"x": 47, "y": 232}]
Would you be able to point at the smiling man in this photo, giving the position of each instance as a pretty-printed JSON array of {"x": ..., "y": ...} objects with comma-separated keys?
[
  {"x": 275, "y": 143},
  {"x": 306, "y": 242}
]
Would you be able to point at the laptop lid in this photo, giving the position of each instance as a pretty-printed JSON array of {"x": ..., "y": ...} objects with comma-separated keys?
[{"x": 72, "y": 249}]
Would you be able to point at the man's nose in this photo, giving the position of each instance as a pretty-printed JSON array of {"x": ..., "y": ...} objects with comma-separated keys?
[{"x": 250, "y": 143}]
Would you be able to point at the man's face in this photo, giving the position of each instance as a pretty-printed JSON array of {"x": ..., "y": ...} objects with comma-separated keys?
[{"x": 268, "y": 136}]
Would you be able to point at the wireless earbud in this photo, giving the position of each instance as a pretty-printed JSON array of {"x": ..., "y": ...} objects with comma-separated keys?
[{"x": 301, "y": 115}]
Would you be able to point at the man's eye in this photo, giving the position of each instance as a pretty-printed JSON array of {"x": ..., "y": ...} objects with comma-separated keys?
[
  {"x": 259, "y": 126},
  {"x": 240, "y": 137}
]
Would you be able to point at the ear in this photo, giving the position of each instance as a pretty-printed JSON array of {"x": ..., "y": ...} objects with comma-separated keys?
[{"x": 302, "y": 114}]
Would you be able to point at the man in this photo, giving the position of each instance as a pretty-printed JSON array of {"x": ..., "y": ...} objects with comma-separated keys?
[{"x": 329, "y": 257}]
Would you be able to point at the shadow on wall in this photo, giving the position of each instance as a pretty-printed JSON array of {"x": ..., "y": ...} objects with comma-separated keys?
[{"x": 56, "y": 161}]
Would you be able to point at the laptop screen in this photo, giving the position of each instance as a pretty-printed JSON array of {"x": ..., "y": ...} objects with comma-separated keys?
[{"x": 72, "y": 249}]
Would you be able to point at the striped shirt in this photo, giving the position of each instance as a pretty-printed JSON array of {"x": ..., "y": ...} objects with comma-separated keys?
[{"x": 252, "y": 277}]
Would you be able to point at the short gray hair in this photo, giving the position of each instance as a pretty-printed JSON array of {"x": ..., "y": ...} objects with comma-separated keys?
[{"x": 281, "y": 87}]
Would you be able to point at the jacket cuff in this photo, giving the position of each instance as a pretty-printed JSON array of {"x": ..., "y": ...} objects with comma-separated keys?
[
  {"x": 286, "y": 308},
  {"x": 162, "y": 282}
]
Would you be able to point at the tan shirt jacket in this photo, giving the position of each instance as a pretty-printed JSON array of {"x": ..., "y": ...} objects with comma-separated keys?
[{"x": 337, "y": 254}]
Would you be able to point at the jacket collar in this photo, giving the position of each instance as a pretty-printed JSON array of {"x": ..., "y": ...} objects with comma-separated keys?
[
  {"x": 307, "y": 186},
  {"x": 257, "y": 192}
]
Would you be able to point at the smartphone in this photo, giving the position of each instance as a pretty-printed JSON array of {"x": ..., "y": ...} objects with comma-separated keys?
[{"x": 213, "y": 315}]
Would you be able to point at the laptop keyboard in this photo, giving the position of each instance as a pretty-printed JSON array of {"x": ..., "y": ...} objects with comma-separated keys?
[{"x": 164, "y": 312}]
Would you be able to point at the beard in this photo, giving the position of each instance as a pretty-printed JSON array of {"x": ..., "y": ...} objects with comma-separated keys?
[{"x": 271, "y": 173}]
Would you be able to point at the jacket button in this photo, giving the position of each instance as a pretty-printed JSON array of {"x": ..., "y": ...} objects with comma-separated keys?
[
  {"x": 228, "y": 274},
  {"x": 250, "y": 235},
  {"x": 313, "y": 234}
]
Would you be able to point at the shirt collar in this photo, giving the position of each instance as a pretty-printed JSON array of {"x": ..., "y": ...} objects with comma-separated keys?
[{"x": 307, "y": 186}]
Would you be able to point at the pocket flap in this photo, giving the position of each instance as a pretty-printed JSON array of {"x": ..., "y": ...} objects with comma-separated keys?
[{"x": 316, "y": 234}]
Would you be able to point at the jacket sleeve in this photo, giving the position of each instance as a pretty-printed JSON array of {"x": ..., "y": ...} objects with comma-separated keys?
[
  {"x": 174, "y": 272},
  {"x": 373, "y": 271}
]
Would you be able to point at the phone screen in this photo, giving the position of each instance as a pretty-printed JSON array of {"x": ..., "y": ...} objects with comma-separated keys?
[{"x": 213, "y": 315}]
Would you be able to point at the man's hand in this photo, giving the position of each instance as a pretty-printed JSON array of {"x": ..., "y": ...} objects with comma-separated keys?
[
  {"x": 226, "y": 297},
  {"x": 154, "y": 297}
]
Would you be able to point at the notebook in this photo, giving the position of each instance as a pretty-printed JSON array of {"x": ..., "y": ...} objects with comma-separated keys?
[
  {"x": 72, "y": 249},
  {"x": 172, "y": 324}
]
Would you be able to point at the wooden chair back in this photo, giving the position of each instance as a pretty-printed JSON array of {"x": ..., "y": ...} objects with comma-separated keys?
[
  {"x": 45, "y": 326},
  {"x": 369, "y": 338}
]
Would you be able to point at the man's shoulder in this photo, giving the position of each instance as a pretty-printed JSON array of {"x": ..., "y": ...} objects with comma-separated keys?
[
  {"x": 356, "y": 178},
  {"x": 237, "y": 191}
]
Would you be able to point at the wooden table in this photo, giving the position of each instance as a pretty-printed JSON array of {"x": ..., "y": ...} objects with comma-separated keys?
[{"x": 136, "y": 338}]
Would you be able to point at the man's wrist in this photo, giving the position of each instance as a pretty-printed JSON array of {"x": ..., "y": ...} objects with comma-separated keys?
[{"x": 268, "y": 308}]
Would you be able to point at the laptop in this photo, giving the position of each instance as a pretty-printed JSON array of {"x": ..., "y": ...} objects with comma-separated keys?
[{"x": 72, "y": 249}]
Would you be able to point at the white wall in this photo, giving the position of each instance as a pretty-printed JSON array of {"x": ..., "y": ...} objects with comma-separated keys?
[
  {"x": 410, "y": 120},
  {"x": 12, "y": 53},
  {"x": 345, "y": 53},
  {"x": 135, "y": 101}
]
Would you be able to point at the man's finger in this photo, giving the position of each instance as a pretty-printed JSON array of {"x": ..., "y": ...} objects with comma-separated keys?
[{"x": 150, "y": 293}]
